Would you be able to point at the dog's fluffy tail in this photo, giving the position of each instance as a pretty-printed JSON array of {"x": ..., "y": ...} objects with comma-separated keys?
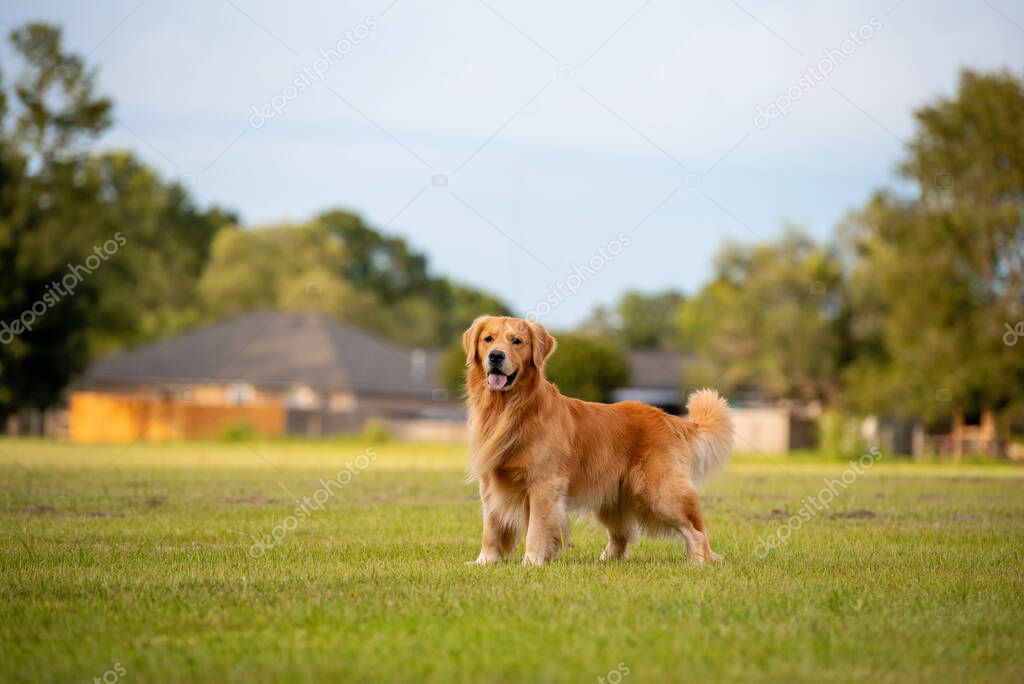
[{"x": 711, "y": 434}]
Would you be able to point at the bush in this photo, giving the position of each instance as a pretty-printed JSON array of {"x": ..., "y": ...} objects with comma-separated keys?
[
  {"x": 376, "y": 431},
  {"x": 587, "y": 367},
  {"x": 839, "y": 435},
  {"x": 453, "y": 369},
  {"x": 238, "y": 432}
]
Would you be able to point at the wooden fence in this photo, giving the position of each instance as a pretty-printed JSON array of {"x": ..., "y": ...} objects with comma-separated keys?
[{"x": 96, "y": 417}]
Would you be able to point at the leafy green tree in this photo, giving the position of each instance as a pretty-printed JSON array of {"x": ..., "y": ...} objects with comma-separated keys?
[
  {"x": 770, "y": 323},
  {"x": 940, "y": 274},
  {"x": 57, "y": 109},
  {"x": 62, "y": 208},
  {"x": 416, "y": 308},
  {"x": 276, "y": 267},
  {"x": 587, "y": 367},
  {"x": 458, "y": 306},
  {"x": 44, "y": 119},
  {"x": 151, "y": 288},
  {"x": 648, "y": 321},
  {"x": 382, "y": 264},
  {"x": 453, "y": 369},
  {"x": 600, "y": 323},
  {"x": 304, "y": 266}
]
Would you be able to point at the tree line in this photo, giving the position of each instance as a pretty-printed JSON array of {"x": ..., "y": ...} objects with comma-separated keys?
[
  {"x": 98, "y": 252},
  {"x": 911, "y": 309},
  {"x": 904, "y": 310}
]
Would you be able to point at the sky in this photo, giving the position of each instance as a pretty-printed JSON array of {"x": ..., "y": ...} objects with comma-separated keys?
[{"x": 520, "y": 143}]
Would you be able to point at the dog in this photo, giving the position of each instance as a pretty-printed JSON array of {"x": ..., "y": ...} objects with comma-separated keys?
[{"x": 538, "y": 454}]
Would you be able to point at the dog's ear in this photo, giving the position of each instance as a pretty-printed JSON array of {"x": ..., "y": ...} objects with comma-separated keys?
[
  {"x": 471, "y": 337},
  {"x": 543, "y": 344}
]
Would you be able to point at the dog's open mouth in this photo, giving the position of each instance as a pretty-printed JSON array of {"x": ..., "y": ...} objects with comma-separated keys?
[{"x": 500, "y": 381}]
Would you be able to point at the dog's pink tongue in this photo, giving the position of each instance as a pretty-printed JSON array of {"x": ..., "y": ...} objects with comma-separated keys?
[{"x": 496, "y": 381}]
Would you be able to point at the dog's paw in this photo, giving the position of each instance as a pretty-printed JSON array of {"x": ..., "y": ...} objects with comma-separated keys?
[
  {"x": 614, "y": 552},
  {"x": 484, "y": 559},
  {"x": 532, "y": 559}
]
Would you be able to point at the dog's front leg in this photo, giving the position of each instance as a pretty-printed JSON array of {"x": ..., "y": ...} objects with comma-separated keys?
[
  {"x": 498, "y": 539},
  {"x": 547, "y": 520}
]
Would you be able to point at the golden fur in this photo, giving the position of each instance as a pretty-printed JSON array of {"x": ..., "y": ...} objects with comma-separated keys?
[{"x": 537, "y": 454}]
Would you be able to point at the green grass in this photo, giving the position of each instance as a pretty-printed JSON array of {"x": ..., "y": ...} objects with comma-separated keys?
[{"x": 143, "y": 563}]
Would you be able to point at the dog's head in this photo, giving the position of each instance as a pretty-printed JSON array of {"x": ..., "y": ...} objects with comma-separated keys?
[{"x": 505, "y": 353}]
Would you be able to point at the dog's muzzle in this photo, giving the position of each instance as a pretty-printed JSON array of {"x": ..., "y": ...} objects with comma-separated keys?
[{"x": 498, "y": 381}]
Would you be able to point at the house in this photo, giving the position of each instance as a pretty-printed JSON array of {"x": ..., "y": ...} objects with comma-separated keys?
[
  {"x": 272, "y": 373},
  {"x": 294, "y": 373},
  {"x": 656, "y": 377}
]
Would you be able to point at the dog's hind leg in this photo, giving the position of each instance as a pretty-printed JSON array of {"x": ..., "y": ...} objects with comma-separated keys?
[
  {"x": 681, "y": 512},
  {"x": 622, "y": 530}
]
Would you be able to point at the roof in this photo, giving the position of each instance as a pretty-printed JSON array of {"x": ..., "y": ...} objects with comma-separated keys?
[
  {"x": 650, "y": 368},
  {"x": 277, "y": 348}
]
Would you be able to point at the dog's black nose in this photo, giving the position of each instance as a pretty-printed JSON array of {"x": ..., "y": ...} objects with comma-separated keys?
[{"x": 496, "y": 357}]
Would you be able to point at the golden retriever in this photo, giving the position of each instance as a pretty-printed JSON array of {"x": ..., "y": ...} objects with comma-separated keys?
[{"x": 538, "y": 454}]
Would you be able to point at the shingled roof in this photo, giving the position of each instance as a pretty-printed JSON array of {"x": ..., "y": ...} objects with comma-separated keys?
[
  {"x": 655, "y": 378},
  {"x": 656, "y": 369},
  {"x": 273, "y": 348}
]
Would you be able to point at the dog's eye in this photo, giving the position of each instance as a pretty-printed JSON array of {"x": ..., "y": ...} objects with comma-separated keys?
[
  {"x": 516, "y": 340},
  {"x": 488, "y": 339}
]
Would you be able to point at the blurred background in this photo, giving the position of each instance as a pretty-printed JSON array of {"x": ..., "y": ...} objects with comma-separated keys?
[{"x": 240, "y": 219}]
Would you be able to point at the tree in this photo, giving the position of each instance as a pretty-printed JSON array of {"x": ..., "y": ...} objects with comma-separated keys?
[
  {"x": 57, "y": 110},
  {"x": 51, "y": 111},
  {"x": 587, "y": 367},
  {"x": 459, "y": 305},
  {"x": 309, "y": 266},
  {"x": 151, "y": 288},
  {"x": 453, "y": 369},
  {"x": 648, "y": 321},
  {"x": 382, "y": 264},
  {"x": 418, "y": 308},
  {"x": 275, "y": 267},
  {"x": 96, "y": 252},
  {"x": 771, "y": 322},
  {"x": 941, "y": 273},
  {"x": 600, "y": 323}
]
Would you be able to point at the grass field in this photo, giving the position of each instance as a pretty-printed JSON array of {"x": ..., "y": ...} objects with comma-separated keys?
[{"x": 147, "y": 569}]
